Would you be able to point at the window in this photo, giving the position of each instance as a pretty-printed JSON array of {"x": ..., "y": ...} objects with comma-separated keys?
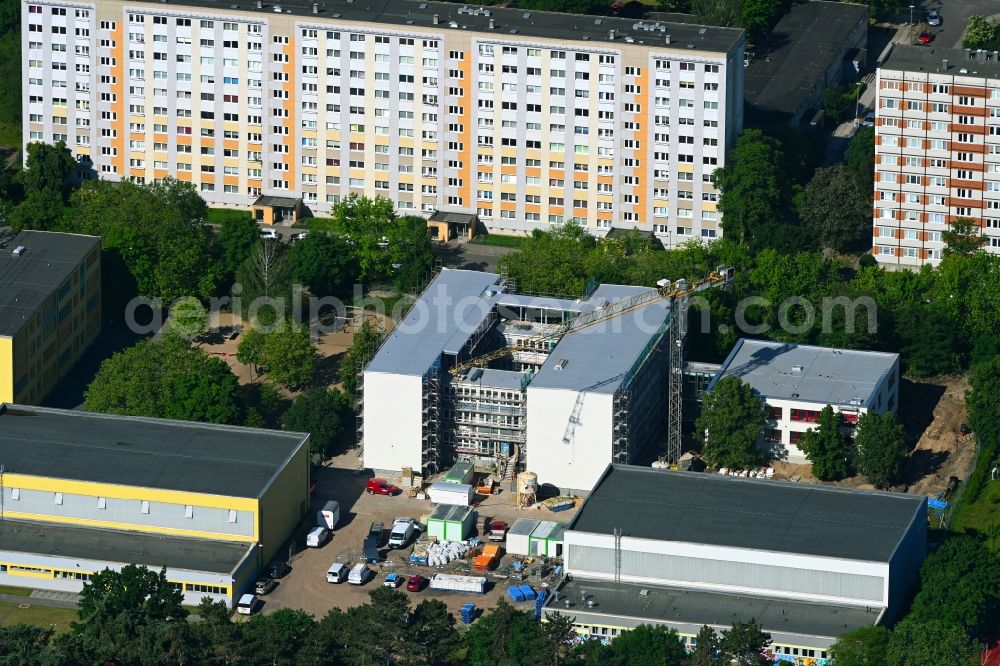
[
  {"x": 144, "y": 506},
  {"x": 102, "y": 503},
  {"x": 59, "y": 498},
  {"x": 232, "y": 512}
]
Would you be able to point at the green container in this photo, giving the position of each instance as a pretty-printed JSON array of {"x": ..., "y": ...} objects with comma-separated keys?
[{"x": 449, "y": 522}]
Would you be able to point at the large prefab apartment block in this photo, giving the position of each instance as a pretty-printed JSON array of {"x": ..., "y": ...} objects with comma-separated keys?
[
  {"x": 806, "y": 562},
  {"x": 521, "y": 118},
  {"x": 937, "y": 152},
  {"x": 50, "y": 310},
  {"x": 798, "y": 381},
  {"x": 563, "y": 403},
  {"x": 83, "y": 492}
]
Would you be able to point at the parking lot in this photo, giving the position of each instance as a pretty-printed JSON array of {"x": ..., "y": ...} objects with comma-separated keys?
[{"x": 306, "y": 588}]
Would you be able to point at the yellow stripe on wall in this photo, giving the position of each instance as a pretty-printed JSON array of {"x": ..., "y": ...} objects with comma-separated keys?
[{"x": 132, "y": 527}]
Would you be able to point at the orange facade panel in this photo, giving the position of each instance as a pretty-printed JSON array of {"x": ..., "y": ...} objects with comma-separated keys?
[{"x": 970, "y": 91}]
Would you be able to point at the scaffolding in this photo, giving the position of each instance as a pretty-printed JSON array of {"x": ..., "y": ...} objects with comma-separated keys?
[
  {"x": 487, "y": 423},
  {"x": 431, "y": 422}
]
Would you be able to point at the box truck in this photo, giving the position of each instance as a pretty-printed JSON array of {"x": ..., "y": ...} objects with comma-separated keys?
[
  {"x": 460, "y": 494},
  {"x": 329, "y": 515}
]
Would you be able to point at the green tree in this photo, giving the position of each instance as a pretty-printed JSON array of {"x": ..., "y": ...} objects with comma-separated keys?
[
  {"x": 881, "y": 448},
  {"x": 10, "y": 74},
  {"x": 755, "y": 193},
  {"x": 730, "y": 423},
  {"x": 48, "y": 169},
  {"x": 155, "y": 230},
  {"x": 368, "y": 224},
  {"x": 22, "y": 644},
  {"x": 431, "y": 634},
  {"x": 188, "y": 317},
  {"x": 265, "y": 285},
  {"x": 323, "y": 262},
  {"x": 366, "y": 341},
  {"x": 41, "y": 211},
  {"x": 982, "y": 33},
  {"x": 235, "y": 242},
  {"x": 646, "y": 646},
  {"x": 837, "y": 209},
  {"x": 960, "y": 584},
  {"x": 867, "y": 646},
  {"x": 826, "y": 448},
  {"x": 166, "y": 379},
  {"x": 744, "y": 644},
  {"x": 706, "y": 650},
  {"x": 505, "y": 636},
  {"x": 413, "y": 257},
  {"x": 319, "y": 412},
  {"x": 929, "y": 342},
  {"x": 860, "y": 158},
  {"x": 250, "y": 350},
  {"x": 930, "y": 643},
  {"x": 839, "y": 102},
  {"x": 276, "y": 638},
  {"x": 963, "y": 236},
  {"x": 553, "y": 262},
  {"x": 757, "y": 17},
  {"x": 289, "y": 356},
  {"x": 983, "y": 401}
]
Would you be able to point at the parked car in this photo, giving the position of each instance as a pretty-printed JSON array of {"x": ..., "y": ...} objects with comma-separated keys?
[
  {"x": 264, "y": 586},
  {"x": 337, "y": 573},
  {"x": 415, "y": 583},
  {"x": 925, "y": 37},
  {"x": 869, "y": 119},
  {"x": 247, "y": 604},
  {"x": 402, "y": 531},
  {"x": 497, "y": 530},
  {"x": 392, "y": 580},
  {"x": 270, "y": 233},
  {"x": 277, "y": 570},
  {"x": 297, "y": 236},
  {"x": 381, "y": 487},
  {"x": 317, "y": 537},
  {"x": 933, "y": 19}
]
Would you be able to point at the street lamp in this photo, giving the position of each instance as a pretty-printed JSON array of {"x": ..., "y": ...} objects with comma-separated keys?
[
  {"x": 857, "y": 112},
  {"x": 912, "y": 7}
]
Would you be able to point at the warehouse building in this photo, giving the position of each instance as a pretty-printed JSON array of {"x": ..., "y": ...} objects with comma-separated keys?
[
  {"x": 560, "y": 402},
  {"x": 50, "y": 310},
  {"x": 798, "y": 381},
  {"x": 83, "y": 492},
  {"x": 682, "y": 549},
  {"x": 513, "y": 120}
]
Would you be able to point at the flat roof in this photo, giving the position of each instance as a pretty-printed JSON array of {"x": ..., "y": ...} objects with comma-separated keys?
[
  {"x": 821, "y": 375},
  {"x": 141, "y": 452},
  {"x": 542, "y": 303},
  {"x": 434, "y": 324},
  {"x": 277, "y": 202},
  {"x": 799, "y": 51},
  {"x": 26, "y": 281},
  {"x": 450, "y": 513},
  {"x": 409, "y": 15},
  {"x": 905, "y": 58},
  {"x": 778, "y": 516},
  {"x": 523, "y": 526},
  {"x": 716, "y": 609},
  {"x": 118, "y": 546},
  {"x": 598, "y": 358},
  {"x": 501, "y": 379}
]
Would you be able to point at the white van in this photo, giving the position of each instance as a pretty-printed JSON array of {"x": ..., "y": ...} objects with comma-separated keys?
[
  {"x": 360, "y": 574},
  {"x": 317, "y": 537},
  {"x": 337, "y": 573},
  {"x": 247, "y": 604}
]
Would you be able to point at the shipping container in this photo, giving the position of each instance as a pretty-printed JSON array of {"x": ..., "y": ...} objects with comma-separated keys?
[
  {"x": 460, "y": 494},
  {"x": 461, "y": 472},
  {"x": 451, "y": 523},
  {"x": 518, "y": 535},
  {"x": 329, "y": 515},
  {"x": 546, "y": 539},
  {"x": 451, "y": 583}
]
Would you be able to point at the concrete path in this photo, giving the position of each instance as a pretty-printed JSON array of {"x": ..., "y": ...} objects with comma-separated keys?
[{"x": 32, "y": 600}]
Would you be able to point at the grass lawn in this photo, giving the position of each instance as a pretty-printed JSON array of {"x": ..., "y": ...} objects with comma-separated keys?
[
  {"x": 40, "y": 616},
  {"x": 10, "y": 136},
  {"x": 15, "y": 591},
  {"x": 983, "y": 515},
  {"x": 219, "y": 215},
  {"x": 500, "y": 241}
]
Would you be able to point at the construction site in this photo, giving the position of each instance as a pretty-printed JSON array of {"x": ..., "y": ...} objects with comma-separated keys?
[{"x": 510, "y": 382}]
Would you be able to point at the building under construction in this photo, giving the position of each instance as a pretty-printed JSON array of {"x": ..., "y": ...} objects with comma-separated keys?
[{"x": 559, "y": 387}]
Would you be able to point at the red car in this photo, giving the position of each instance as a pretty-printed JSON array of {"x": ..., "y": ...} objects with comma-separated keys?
[
  {"x": 381, "y": 487},
  {"x": 415, "y": 583},
  {"x": 925, "y": 37}
]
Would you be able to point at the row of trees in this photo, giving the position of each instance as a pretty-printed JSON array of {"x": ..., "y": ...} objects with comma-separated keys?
[{"x": 733, "y": 416}]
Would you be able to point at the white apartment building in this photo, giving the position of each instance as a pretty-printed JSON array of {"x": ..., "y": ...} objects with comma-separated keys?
[
  {"x": 798, "y": 381},
  {"x": 524, "y": 118},
  {"x": 937, "y": 151}
]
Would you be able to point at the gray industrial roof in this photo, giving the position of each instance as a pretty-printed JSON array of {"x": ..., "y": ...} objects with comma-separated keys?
[
  {"x": 442, "y": 319},
  {"x": 803, "y": 46},
  {"x": 27, "y": 280},
  {"x": 753, "y": 514},
  {"x": 806, "y": 373},
  {"x": 599, "y": 357},
  {"x": 906, "y": 58},
  {"x": 115, "y": 546},
  {"x": 142, "y": 452},
  {"x": 717, "y": 609},
  {"x": 506, "y": 22},
  {"x": 450, "y": 512},
  {"x": 277, "y": 202}
]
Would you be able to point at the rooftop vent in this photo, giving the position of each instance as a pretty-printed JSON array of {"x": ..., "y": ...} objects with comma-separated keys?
[
  {"x": 492, "y": 23},
  {"x": 598, "y": 21},
  {"x": 526, "y": 15},
  {"x": 944, "y": 64},
  {"x": 19, "y": 250},
  {"x": 667, "y": 40},
  {"x": 611, "y": 35},
  {"x": 435, "y": 19},
  {"x": 562, "y": 363},
  {"x": 315, "y": 8},
  {"x": 702, "y": 31},
  {"x": 591, "y": 603},
  {"x": 422, "y": 5},
  {"x": 260, "y": 4},
  {"x": 796, "y": 368},
  {"x": 643, "y": 592}
]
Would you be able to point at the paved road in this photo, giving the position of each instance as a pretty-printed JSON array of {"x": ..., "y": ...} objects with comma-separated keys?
[
  {"x": 470, "y": 256},
  {"x": 955, "y": 15}
]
